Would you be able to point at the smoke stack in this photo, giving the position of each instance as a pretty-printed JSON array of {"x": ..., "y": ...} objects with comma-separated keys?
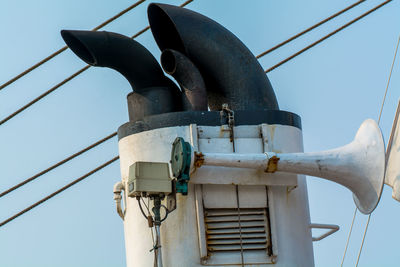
[
  {"x": 180, "y": 67},
  {"x": 153, "y": 92},
  {"x": 230, "y": 71}
]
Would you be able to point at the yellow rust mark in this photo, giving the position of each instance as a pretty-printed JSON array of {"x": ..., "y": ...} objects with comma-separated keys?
[
  {"x": 221, "y": 131},
  {"x": 272, "y": 131},
  {"x": 272, "y": 165},
  {"x": 270, "y": 135},
  {"x": 198, "y": 159}
]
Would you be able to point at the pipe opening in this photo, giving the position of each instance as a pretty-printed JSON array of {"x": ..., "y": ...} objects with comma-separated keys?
[
  {"x": 164, "y": 29},
  {"x": 168, "y": 61},
  {"x": 78, "y": 47},
  {"x": 230, "y": 72}
]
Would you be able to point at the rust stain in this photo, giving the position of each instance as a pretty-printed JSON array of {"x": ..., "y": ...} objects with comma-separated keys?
[
  {"x": 198, "y": 159},
  {"x": 272, "y": 165},
  {"x": 272, "y": 131}
]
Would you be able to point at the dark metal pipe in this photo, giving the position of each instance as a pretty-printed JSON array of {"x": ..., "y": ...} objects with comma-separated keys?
[
  {"x": 230, "y": 71},
  {"x": 151, "y": 101},
  {"x": 135, "y": 63},
  {"x": 194, "y": 94}
]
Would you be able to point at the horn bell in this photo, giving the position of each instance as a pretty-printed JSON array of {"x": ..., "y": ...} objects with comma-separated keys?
[{"x": 359, "y": 166}]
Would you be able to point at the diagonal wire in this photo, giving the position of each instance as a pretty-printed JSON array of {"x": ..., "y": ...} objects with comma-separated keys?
[
  {"x": 348, "y": 237},
  {"x": 379, "y": 119},
  {"x": 327, "y": 36},
  {"x": 58, "y": 191},
  {"x": 309, "y": 29},
  {"x": 30, "y": 179},
  {"x": 363, "y": 239},
  {"x": 390, "y": 76},
  {"x": 52, "y": 89},
  {"x": 82, "y": 177},
  {"x": 55, "y": 87},
  {"x": 41, "y": 62},
  {"x": 147, "y": 28}
]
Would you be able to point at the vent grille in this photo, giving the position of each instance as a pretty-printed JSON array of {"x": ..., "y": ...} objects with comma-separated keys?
[{"x": 226, "y": 231}]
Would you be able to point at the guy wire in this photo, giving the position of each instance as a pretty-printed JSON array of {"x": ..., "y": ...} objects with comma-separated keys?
[
  {"x": 67, "y": 79},
  {"x": 30, "y": 179},
  {"x": 58, "y": 191},
  {"x": 41, "y": 62},
  {"x": 309, "y": 29},
  {"x": 379, "y": 119},
  {"x": 327, "y": 36}
]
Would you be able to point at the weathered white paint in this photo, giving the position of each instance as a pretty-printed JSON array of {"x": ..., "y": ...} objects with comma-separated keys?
[
  {"x": 179, "y": 231},
  {"x": 181, "y": 240},
  {"x": 118, "y": 188},
  {"x": 333, "y": 228},
  {"x": 248, "y": 139},
  {"x": 359, "y": 166}
]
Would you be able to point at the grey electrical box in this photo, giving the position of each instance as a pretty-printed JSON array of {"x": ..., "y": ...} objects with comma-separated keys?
[{"x": 150, "y": 178}]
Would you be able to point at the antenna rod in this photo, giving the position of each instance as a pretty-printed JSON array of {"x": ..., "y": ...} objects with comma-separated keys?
[{"x": 157, "y": 224}]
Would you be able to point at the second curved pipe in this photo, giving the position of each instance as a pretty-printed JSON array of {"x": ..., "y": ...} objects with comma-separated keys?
[{"x": 194, "y": 94}]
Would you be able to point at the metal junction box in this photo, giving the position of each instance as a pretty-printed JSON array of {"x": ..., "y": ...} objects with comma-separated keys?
[{"x": 149, "y": 177}]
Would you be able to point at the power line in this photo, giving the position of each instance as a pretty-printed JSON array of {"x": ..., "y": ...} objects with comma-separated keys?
[
  {"x": 388, "y": 82},
  {"x": 363, "y": 239},
  {"x": 55, "y": 87},
  {"x": 264, "y": 53},
  {"x": 58, "y": 191},
  {"x": 67, "y": 159},
  {"x": 348, "y": 236},
  {"x": 327, "y": 36},
  {"x": 52, "y": 89},
  {"x": 309, "y": 29},
  {"x": 379, "y": 119},
  {"x": 118, "y": 15},
  {"x": 30, "y": 179},
  {"x": 22, "y": 74}
]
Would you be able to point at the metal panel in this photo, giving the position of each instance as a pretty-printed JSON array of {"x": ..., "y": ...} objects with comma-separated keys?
[
  {"x": 194, "y": 141},
  {"x": 247, "y": 139},
  {"x": 248, "y": 145},
  {"x": 220, "y": 142},
  {"x": 250, "y": 196},
  {"x": 230, "y": 233},
  {"x": 223, "y": 145},
  {"x": 219, "y": 196}
]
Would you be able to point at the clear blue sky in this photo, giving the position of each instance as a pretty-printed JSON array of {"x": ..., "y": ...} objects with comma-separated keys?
[{"x": 333, "y": 87}]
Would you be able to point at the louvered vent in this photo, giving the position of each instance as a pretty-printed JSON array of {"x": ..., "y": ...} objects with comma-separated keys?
[{"x": 231, "y": 237}]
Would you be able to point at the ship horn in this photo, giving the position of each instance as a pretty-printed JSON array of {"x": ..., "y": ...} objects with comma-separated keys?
[
  {"x": 359, "y": 165},
  {"x": 231, "y": 73},
  {"x": 153, "y": 92},
  {"x": 177, "y": 65}
]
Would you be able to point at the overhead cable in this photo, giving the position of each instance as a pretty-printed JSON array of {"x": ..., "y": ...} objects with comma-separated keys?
[
  {"x": 348, "y": 237},
  {"x": 58, "y": 191},
  {"x": 327, "y": 36},
  {"x": 55, "y": 87},
  {"x": 66, "y": 47},
  {"x": 388, "y": 82},
  {"x": 30, "y": 179},
  {"x": 363, "y": 239},
  {"x": 309, "y": 29},
  {"x": 52, "y": 89},
  {"x": 379, "y": 119},
  {"x": 146, "y": 28}
]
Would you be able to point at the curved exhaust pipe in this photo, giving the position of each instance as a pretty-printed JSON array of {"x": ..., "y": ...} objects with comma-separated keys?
[
  {"x": 194, "y": 94},
  {"x": 153, "y": 92},
  {"x": 231, "y": 73}
]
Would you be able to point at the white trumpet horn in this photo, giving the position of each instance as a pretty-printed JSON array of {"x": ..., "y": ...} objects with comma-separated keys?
[{"x": 359, "y": 166}]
